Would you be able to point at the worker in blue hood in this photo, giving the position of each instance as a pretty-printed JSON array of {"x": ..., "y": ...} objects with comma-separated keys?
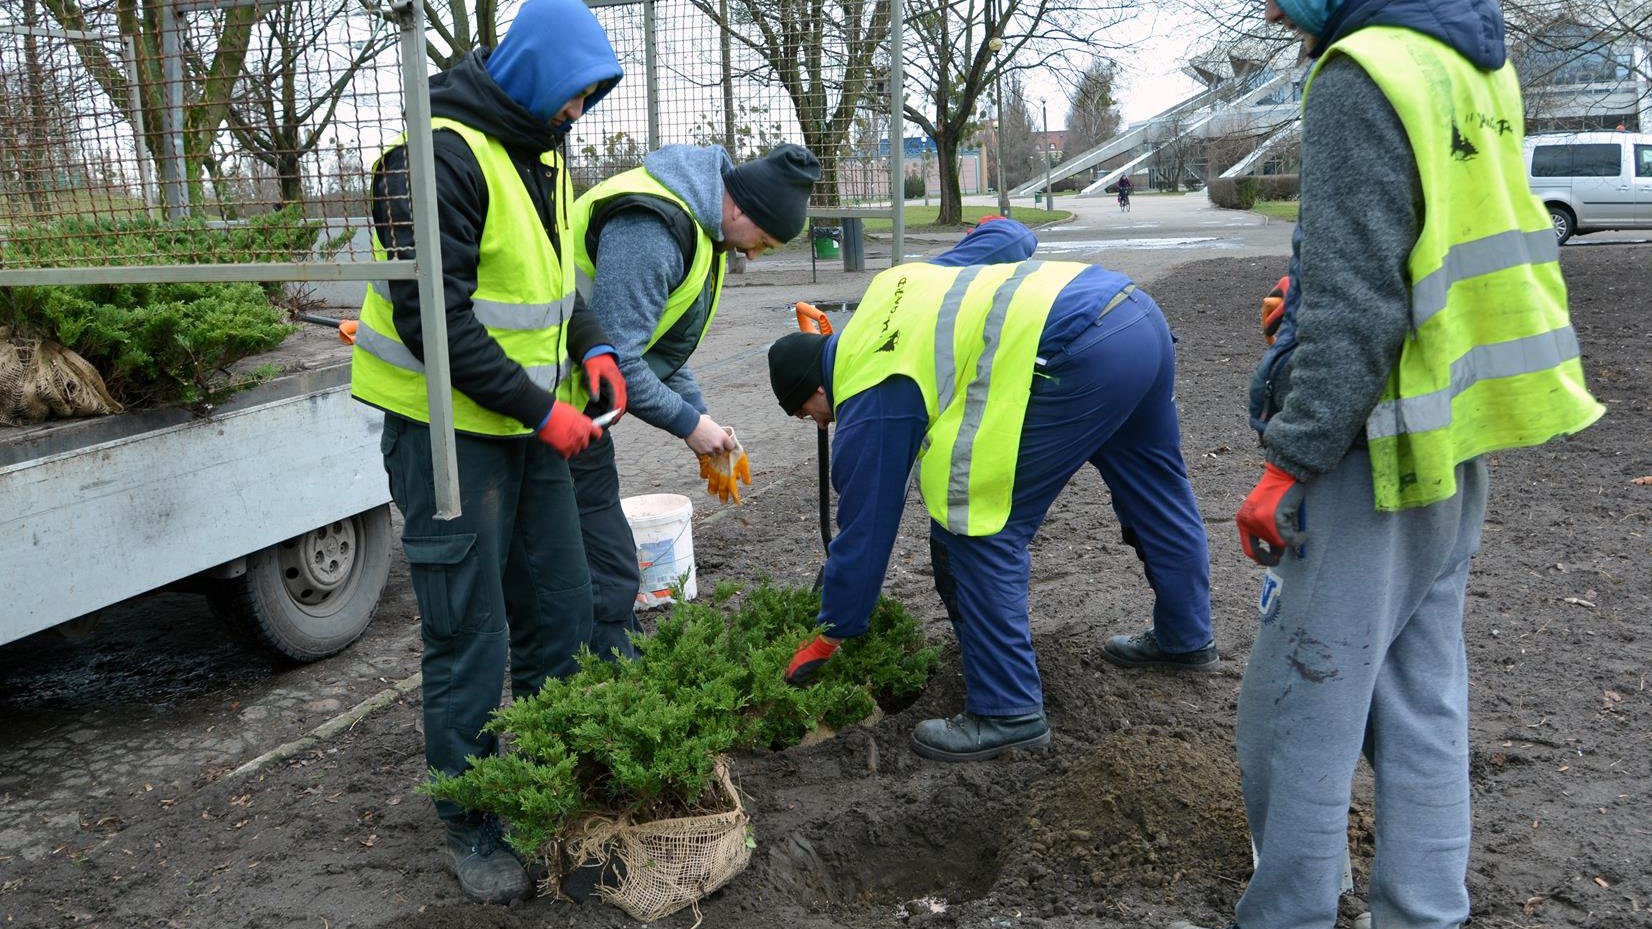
[
  {"x": 1000, "y": 376},
  {"x": 505, "y": 583}
]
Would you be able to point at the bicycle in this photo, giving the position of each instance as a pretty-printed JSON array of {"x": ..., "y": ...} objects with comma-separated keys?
[{"x": 1124, "y": 201}]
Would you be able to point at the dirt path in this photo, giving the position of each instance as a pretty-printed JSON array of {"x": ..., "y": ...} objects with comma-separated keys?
[{"x": 1133, "y": 819}]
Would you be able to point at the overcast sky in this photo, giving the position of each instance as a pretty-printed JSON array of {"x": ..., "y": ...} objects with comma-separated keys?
[{"x": 1150, "y": 78}]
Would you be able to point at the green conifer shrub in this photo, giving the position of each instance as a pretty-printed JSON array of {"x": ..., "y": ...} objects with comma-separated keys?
[
  {"x": 642, "y": 736},
  {"x": 159, "y": 344}
]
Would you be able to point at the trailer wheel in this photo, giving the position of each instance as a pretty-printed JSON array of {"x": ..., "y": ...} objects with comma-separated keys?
[{"x": 309, "y": 597}]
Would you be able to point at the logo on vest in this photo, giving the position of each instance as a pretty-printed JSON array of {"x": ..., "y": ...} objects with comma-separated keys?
[
  {"x": 894, "y": 307},
  {"x": 1461, "y": 148}
]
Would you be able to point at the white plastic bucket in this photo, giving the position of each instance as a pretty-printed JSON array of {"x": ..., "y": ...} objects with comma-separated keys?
[{"x": 660, "y": 524}]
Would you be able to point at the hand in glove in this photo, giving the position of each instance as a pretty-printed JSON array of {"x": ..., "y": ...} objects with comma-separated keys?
[
  {"x": 810, "y": 657},
  {"x": 607, "y": 387},
  {"x": 724, "y": 470},
  {"x": 567, "y": 430},
  {"x": 1270, "y": 520},
  {"x": 1273, "y": 309}
]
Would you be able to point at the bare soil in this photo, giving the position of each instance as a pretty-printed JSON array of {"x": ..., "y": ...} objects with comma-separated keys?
[{"x": 1134, "y": 818}]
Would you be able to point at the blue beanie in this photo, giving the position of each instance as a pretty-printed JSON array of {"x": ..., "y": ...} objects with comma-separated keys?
[
  {"x": 552, "y": 51},
  {"x": 1310, "y": 15}
]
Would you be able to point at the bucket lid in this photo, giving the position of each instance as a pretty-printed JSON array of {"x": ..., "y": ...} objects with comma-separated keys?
[{"x": 648, "y": 507}]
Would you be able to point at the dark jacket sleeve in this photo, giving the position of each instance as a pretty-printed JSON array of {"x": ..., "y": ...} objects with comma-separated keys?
[
  {"x": 584, "y": 331},
  {"x": 878, "y": 433},
  {"x": 1361, "y": 215},
  {"x": 479, "y": 368}
]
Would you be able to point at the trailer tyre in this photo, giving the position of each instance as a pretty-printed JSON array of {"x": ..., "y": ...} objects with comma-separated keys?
[{"x": 309, "y": 597}]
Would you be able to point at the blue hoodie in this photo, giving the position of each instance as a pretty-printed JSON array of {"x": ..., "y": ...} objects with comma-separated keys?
[
  {"x": 1472, "y": 27},
  {"x": 554, "y": 50},
  {"x": 879, "y": 431}
]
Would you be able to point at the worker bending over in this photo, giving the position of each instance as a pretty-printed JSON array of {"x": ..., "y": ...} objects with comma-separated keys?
[{"x": 1000, "y": 376}]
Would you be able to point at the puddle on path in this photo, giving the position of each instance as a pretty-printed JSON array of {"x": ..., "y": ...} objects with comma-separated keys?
[{"x": 1090, "y": 245}]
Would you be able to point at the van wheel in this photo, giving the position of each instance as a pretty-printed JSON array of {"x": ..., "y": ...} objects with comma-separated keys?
[
  {"x": 310, "y": 596},
  {"x": 1565, "y": 224}
]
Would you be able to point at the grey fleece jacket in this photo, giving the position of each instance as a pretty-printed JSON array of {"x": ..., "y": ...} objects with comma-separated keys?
[
  {"x": 1362, "y": 210},
  {"x": 638, "y": 263}
]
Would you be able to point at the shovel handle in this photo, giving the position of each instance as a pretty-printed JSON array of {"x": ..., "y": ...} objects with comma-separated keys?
[{"x": 811, "y": 319}]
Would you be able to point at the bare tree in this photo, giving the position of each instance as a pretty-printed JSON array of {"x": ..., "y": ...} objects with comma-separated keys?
[
  {"x": 958, "y": 50},
  {"x": 460, "y": 26},
  {"x": 218, "y": 43},
  {"x": 824, "y": 53},
  {"x": 1019, "y": 146},
  {"x": 286, "y": 100},
  {"x": 1093, "y": 109}
]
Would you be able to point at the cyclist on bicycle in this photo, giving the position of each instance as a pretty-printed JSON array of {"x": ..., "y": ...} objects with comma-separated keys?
[{"x": 1124, "y": 192}]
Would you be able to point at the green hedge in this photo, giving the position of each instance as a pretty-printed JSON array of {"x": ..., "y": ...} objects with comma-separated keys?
[{"x": 1241, "y": 193}]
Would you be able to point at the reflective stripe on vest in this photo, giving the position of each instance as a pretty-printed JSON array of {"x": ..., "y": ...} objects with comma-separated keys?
[
  {"x": 524, "y": 296},
  {"x": 703, "y": 277},
  {"x": 968, "y": 337},
  {"x": 1490, "y": 360}
]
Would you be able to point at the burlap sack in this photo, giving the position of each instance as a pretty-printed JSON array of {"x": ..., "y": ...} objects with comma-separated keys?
[
  {"x": 40, "y": 379},
  {"x": 667, "y": 864}
]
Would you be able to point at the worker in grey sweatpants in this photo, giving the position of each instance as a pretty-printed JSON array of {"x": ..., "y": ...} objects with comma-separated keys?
[{"x": 1361, "y": 646}]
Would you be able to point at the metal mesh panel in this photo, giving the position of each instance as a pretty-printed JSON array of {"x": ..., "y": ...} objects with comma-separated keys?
[
  {"x": 142, "y": 140},
  {"x": 815, "y": 75}
]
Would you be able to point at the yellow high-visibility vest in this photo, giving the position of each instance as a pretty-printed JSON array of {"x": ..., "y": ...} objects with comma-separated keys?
[
  {"x": 524, "y": 295},
  {"x": 1491, "y": 360},
  {"x": 969, "y": 338},
  {"x": 679, "y": 330}
]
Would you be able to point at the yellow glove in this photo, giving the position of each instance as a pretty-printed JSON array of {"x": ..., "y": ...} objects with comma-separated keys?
[{"x": 723, "y": 471}]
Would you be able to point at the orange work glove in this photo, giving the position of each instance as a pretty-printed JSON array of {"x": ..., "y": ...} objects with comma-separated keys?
[
  {"x": 567, "y": 430},
  {"x": 1270, "y": 519},
  {"x": 607, "y": 387},
  {"x": 810, "y": 657},
  {"x": 1273, "y": 309}
]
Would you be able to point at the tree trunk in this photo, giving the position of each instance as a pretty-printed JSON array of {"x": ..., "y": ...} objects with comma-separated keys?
[{"x": 952, "y": 198}]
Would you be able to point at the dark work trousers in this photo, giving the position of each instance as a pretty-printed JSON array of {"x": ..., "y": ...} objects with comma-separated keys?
[
  {"x": 518, "y": 539},
  {"x": 1106, "y": 398},
  {"x": 610, "y": 549}
]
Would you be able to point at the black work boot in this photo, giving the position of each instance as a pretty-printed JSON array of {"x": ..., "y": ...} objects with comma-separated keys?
[
  {"x": 487, "y": 868},
  {"x": 967, "y": 737},
  {"x": 1142, "y": 651}
]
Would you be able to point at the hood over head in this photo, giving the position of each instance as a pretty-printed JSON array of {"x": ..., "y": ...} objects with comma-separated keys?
[
  {"x": 694, "y": 173},
  {"x": 1473, "y": 27},
  {"x": 552, "y": 51}
]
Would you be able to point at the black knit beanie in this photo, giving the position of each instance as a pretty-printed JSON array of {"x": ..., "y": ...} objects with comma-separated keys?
[
  {"x": 796, "y": 369},
  {"x": 774, "y": 189}
]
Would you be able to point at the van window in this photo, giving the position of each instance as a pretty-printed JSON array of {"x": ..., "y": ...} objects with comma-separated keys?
[
  {"x": 1643, "y": 161},
  {"x": 1596, "y": 160}
]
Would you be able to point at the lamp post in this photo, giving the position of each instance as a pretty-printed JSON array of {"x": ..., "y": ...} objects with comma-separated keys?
[
  {"x": 995, "y": 45},
  {"x": 1045, "y": 114}
]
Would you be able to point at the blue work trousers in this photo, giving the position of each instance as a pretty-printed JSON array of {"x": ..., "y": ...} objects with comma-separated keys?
[
  {"x": 517, "y": 540},
  {"x": 1107, "y": 398}
]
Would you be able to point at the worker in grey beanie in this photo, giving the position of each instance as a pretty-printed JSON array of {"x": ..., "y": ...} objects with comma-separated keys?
[
  {"x": 774, "y": 190},
  {"x": 651, "y": 249}
]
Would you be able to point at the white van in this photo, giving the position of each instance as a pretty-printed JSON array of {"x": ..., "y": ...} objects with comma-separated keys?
[{"x": 1592, "y": 181}]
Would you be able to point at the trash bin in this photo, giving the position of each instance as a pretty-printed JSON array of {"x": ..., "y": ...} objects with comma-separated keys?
[{"x": 826, "y": 241}]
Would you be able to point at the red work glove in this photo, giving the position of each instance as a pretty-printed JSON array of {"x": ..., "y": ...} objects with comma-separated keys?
[
  {"x": 1270, "y": 519},
  {"x": 602, "y": 376},
  {"x": 1273, "y": 308},
  {"x": 568, "y": 430},
  {"x": 808, "y": 660}
]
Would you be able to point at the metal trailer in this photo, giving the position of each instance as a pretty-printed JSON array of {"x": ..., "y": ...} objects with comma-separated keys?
[
  {"x": 276, "y": 506},
  {"x": 276, "y": 503}
]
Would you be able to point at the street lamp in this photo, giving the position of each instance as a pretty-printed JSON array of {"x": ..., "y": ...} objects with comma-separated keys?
[
  {"x": 995, "y": 45},
  {"x": 1045, "y": 113}
]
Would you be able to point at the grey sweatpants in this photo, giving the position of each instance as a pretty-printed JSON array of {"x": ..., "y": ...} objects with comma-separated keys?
[{"x": 1361, "y": 648}]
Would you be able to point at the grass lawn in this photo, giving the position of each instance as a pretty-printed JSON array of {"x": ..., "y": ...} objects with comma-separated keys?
[{"x": 1278, "y": 209}]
